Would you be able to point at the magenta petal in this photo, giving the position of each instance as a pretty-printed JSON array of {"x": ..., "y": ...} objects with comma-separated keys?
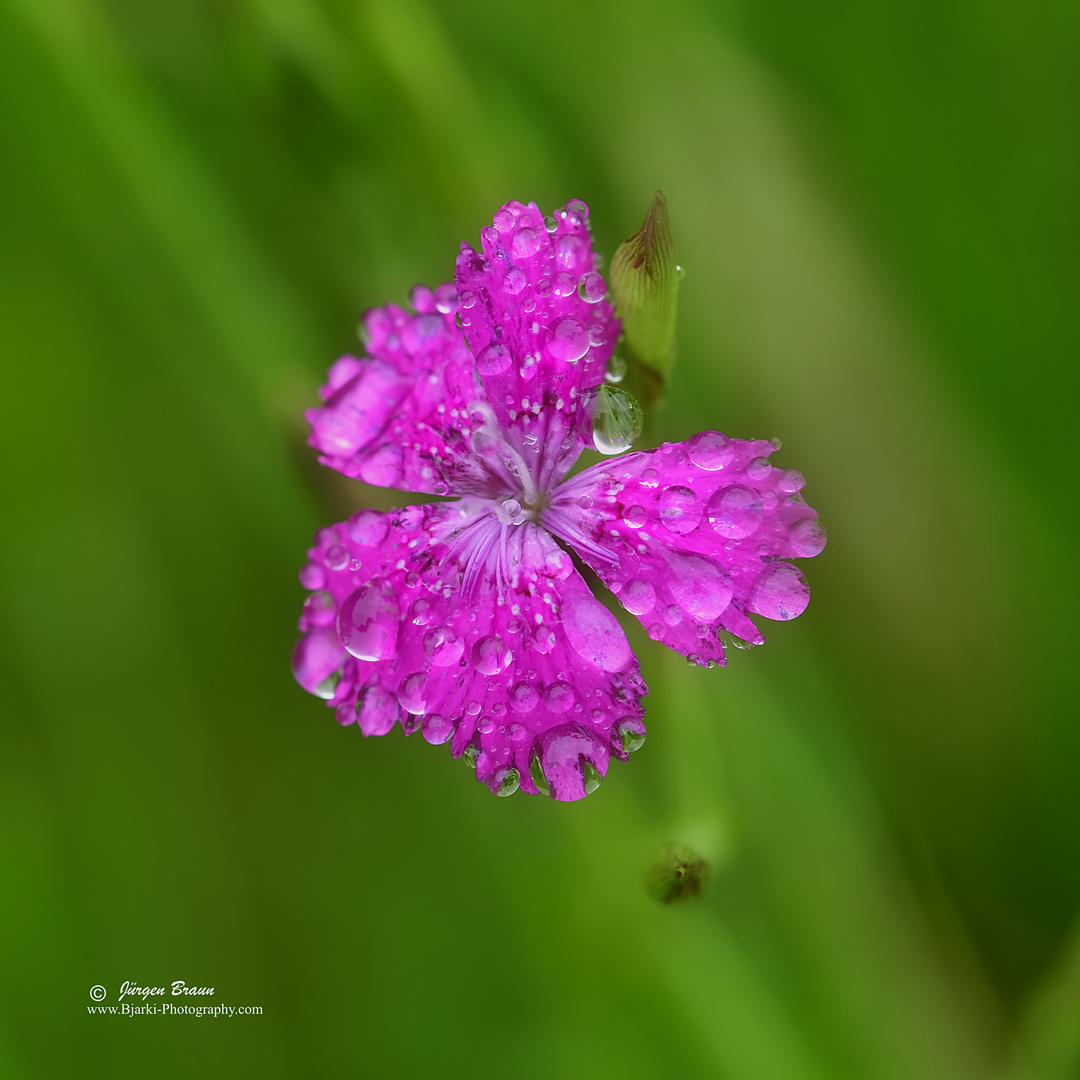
[
  {"x": 689, "y": 538},
  {"x": 490, "y": 664},
  {"x": 406, "y": 416},
  {"x": 533, "y": 311}
]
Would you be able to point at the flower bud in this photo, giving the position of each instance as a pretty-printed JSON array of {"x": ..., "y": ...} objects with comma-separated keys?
[{"x": 645, "y": 281}]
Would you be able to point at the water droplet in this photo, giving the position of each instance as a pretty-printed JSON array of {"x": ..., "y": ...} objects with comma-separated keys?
[
  {"x": 585, "y": 501},
  {"x": 436, "y": 728},
  {"x": 650, "y": 478},
  {"x": 411, "y": 691},
  {"x": 617, "y": 420},
  {"x": 759, "y": 469},
  {"x": 595, "y": 634},
  {"x": 467, "y": 299},
  {"x": 504, "y": 220},
  {"x": 544, "y": 641},
  {"x": 571, "y": 253},
  {"x": 631, "y": 733},
  {"x": 336, "y": 557},
  {"x": 367, "y": 527},
  {"x": 470, "y": 755},
  {"x": 489, "y": 657},
  {"x": 312, "y": 576},
  {"x": 442, "y": 647},
  {"x": 635, "y": 516},
  {"x": 791, "y": 480},
  {"x": 319, "y": 609},
  {"x": 486, "y": 725},
  {"x": 680, "y": 509},
  {"x": 563, "y": 283},
  {"x": 526, "y": 243},
  {"x": 316, "y": 661},
  {"x": 780, "y": 593},
  {"x": 735, "y": 511},
  {"x": 367, "y": 622},
  {"x": 550, "y": 223},
  {"x": 493, "y": 360},
  {"x": 638, "y": 597},
  {"x": 617, "y": 368},
  {"x": 591, "y": 775},
  {"x": 523, "y": 698},
  {"x": 514, "y": 282},
  {"x": 504, "y": 782},
  {"x": 473, "y": 708},
  {"x": 376, "y": 711},
  {"x": 536, "y": 771},
  {"x": 559, "y": 697},
  {"x": 577, "y": 209},
  {"x": 699, "y": 587},
  {"x": 775, "y": 443},
  {"x": 591, "y": 287},
  {"x": 569, "y": 341},
  {"x": 808, "y": 538},
  {"x": 446, "y": 299},
  {"x": 710, "y": 450}
]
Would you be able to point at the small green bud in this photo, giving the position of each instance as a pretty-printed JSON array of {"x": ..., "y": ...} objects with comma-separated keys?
[
  {"x": 677, "y": 874},
  {"x": 645, "y": 281}
]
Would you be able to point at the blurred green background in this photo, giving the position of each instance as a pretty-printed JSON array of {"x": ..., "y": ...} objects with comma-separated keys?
[{"x": 876, "y": 205}]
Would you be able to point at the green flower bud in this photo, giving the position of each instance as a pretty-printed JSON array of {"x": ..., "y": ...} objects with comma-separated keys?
[{"x": 645, "y": 281}]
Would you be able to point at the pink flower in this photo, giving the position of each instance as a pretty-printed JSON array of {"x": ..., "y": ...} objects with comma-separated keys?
[{"x": 468, "y": 620}]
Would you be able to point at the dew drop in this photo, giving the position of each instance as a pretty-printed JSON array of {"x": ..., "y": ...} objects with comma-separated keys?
[
  {"x": 808, "y": 538},
  {"x": 780, "y": 593},
  {"x": 631, "y": 733},
  {"x": 319, "y": 609},
  {"x": 486, "y": 725},
  {"x": 617, "y": 368},
  {"x": 367, "y": 527},
  {"x": 504, "y": 782},
  {"x": 617, "y": 420},
  {"x": 639, "y": 597},
  {"x": 595, "y": 635},
  {"x": 523, "y": 698},
  {"x": 526, "y": 243},
  {"x": 367, "y": 622},
  {"x": 551, "y": 223},
  {"x": 680, "y": 509},
  {"x": 650, "y": 478},
  {"x": 735, "y": 511},
  {"x": 635, "y": 516},
  {"x": 376, "y": 711},
  {"x": 504, "y": 220},
  {"x": 442, "y": 647},
  {"x": 436, "y": 728},
  {"x": 336, "y": 557},
  {"x": 710, "y": 450},
  {"x": 312, "y": 576},
  {"x": 699, "y": 587},
  {"x": 591, "y": 287},
  {"x": 493, "y": 360},
  {"x": 489, "y": 657},
  {"x": 791, "y": 480},
  {"x": 759, "y": 469},
  {"x": 411, "y": 693},
  {"x": 569, "y": 341},
  {"x": 316, "y": 661},
  {"x": 559, "y": 697},
  {"x": 536, "y": 771},
  {"x": 514, "y": 282},
  {"x": 591, "y": 775}
]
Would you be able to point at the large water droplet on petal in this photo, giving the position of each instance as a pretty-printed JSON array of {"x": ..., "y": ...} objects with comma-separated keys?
[
  {"x": 437, "y": 728},
  {"x": 493, "y": 360},
  {"x": 631, "y": 733},
  {"x": 573, "y": 761},
  {"x": 638, "y": 597},
  {"x": 595, "y": 634},
  {"x": 523, "y": 698},
  {"x": 635, "y": 516},
  {"x": 680, "y": 509},
  {"x": 367, "y": 622},
  {"x": 569, "y": 341},
  {"x": 617, "y": 420},
  {"x": 411, "y": 693},
  {"x": 780, "y": 593},
  {"x": 368, "y": 527},
  {"x": 442, "y": 647},
  {"x": 559, "y": 697},
  {"x": 700, "y": 587},
  {"x": 489, "y": 656},
  {"x": 710, "y": 450},
  {"x": 504, "y": 782},
  {"x": 336, "y": 557},
  {"x": 591, "y": 287},
  {"x": 808, "y": 538},
  {"x": 526, "y": 243},
  {"x": 376, "y": 711},
  {"x": 735, "y": 511},
  {"x": 316, "y": 661}
]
